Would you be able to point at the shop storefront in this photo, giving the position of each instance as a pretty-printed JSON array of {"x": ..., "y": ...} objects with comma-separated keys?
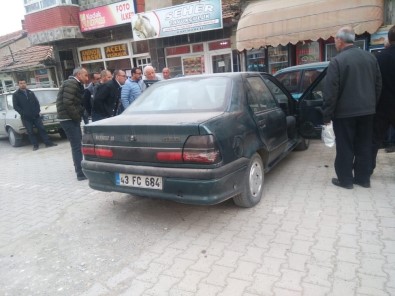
[
  {"x": 199, "y": 58},
  {"x": 124, "y": 54},
  {"x": 301, "y": 32}
]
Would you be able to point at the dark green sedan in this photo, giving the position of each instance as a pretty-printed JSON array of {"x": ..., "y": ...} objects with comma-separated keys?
[{"x": 198, "y": 139}]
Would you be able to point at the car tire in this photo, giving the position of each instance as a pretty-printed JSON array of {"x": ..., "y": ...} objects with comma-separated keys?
[
  {"x": 303, "y": 145},
  {"x": 62, "y": 134},
  {"x": 253, "y": 184},
  {"x": 15, "y": 139}
]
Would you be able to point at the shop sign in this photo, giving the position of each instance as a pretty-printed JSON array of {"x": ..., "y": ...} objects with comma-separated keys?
[
  {"x": 186, "y": 18},
  {"x": 107, "y": 16},
  {"x": 90, "y": 54},
  {"x": 116, "y": 51}
]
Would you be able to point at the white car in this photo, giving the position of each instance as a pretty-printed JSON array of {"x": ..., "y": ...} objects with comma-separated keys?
[{"x": 10, "y": 121}]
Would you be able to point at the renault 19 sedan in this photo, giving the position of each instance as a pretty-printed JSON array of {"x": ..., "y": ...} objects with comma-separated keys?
[{"x": 198, "y": 139}]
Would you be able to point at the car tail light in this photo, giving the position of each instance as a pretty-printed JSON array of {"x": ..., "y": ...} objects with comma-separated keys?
[
  {"x": 98, "y": 152},
  {"x": 88, "y": 150},
  {"x": 169, "y": 156},
  {"x": 201, "y": 149},
  {"x": 104, "y": 152}
]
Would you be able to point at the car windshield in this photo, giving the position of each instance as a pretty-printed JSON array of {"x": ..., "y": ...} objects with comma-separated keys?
[
  {"x": 187, "y": 95},
  {"x": 47, "y": 96}
]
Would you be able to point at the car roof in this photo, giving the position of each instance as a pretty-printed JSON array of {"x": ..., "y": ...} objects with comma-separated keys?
[
  {"x": 317, "y": 65},
  {"x": 33, "y": 89}
]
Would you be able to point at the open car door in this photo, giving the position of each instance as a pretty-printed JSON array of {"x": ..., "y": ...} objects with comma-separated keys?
[{"x": 310, "y": 108}]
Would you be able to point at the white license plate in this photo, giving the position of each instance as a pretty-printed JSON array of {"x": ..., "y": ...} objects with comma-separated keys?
[
  {"x": 138, "y": 181},
  {"x": 47, "y": 117}
]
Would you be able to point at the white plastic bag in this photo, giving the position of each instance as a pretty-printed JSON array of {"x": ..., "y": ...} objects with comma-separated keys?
[{"x": 328, "y": 135}]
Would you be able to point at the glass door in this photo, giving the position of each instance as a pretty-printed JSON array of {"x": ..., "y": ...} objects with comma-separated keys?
[{"x": 221, "y": 63}]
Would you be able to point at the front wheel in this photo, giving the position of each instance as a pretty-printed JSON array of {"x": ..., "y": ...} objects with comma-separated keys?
[
  {"x": 253, "y": 184},
  {"x": 14, "y": 138}
]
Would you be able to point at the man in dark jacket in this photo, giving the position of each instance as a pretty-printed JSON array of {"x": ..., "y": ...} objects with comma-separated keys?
[
  {"x": 385, "y": 113},
  {"x": 27, "y": 105},
  {"x": 352, "y": 89},
  {"x": 70, "y": 111},
  {"x": 88, "y": 96},
  {"x": 107, "y": 97}
]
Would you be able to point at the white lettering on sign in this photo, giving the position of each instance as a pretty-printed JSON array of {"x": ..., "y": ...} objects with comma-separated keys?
[{"x": 189, "y": 10}]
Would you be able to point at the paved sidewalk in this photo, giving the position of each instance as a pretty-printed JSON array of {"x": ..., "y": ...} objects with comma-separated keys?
[{"x": 306, "y": 236}]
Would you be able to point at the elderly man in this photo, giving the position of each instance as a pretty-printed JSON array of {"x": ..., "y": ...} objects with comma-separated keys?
[
  {"x": 166, "y": 73},
  {"x": 352, "y": 89},
  {"x": 107, "y": 97},
  {"x": 70, "y": 110},
  {"x": 385, "y": 116},
  {"x": 149, "y": 76}
]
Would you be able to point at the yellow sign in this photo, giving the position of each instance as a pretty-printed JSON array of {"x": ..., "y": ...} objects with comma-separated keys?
[
  {"x": 117, "y": 50},
  {"x": 90, "y": 54}
]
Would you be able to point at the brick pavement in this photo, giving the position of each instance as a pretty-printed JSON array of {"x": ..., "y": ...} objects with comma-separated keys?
[{"x": 306, "y": 237}]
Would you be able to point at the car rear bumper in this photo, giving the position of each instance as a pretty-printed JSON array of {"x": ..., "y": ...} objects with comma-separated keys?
[{"x": 185, "y": 185}]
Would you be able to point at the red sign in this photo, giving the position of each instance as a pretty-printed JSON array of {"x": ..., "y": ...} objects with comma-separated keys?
[{"x": 107, "y": 16}]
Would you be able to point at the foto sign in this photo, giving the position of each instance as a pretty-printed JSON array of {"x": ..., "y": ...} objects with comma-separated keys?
[
  {"x": 106, "y": 16},
  {"x": 187, "y": 18}
]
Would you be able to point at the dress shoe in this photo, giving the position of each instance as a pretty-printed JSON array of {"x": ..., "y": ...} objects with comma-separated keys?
[
  {"x": 81, "y": 177},
  {"x": 362, "y": 184},
  {"x": 35, "y": 147},
  {"x": 336, "y": 182},
  {"x": 51, "y": 145}
]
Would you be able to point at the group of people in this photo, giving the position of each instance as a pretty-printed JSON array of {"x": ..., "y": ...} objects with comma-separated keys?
[
  {"x": 106, "y": 95},
  {"x": 359, "y": 98},
  {"x": 83, "y": 95}
]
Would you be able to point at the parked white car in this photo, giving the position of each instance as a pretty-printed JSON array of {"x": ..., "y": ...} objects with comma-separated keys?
[{"x": 10, "y": 121}]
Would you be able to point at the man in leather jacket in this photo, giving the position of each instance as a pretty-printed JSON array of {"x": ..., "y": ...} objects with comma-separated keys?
[{"x": 27, "y": 105}]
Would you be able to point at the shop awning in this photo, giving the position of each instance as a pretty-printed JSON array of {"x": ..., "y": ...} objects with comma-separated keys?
[{"x": 274, "y": 22}]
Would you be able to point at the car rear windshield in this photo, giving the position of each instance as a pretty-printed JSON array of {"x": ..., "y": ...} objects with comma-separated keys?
[{"x": 187, "y": 95}]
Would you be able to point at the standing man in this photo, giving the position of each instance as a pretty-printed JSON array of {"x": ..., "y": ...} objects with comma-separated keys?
[
  {"x": 27, "y": 105},
  {"x": 166, "y": 73},
  {"x": 70, "y": 111},
  {"x": 353, "y": 86},
  {"x": 107, "y": 97},
  {"x": 88, "y": 95},
  {"x": 105, "y": 75},
  {"x": 385, "y": 113},
  {"x": 131, "y": 89}
]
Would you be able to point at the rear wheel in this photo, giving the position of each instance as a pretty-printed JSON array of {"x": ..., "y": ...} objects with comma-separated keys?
[
  {"x": 303, "y": 145},
  {"x": 15, "y": 139},
  {"x": 253, "y": 184}
]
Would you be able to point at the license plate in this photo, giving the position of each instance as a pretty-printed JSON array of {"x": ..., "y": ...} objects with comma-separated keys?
[
  {"x": 138, "y": 181},
  {"x": 47, "y": 117}
]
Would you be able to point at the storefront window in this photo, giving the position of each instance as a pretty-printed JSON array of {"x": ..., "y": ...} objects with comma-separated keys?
[
  {"x": 330, "y": 49},
  {"x": 175, "y": 66},
  {"x": 123, "y": 64},
  {"x": 197, "y": 47},
  {"x": 140, "y": 47},
  {"x": 94, "y": 67},
  {"x": 256, "y": 60},
  {"x": 278, "y": 58},
  {"x": 308, "y": 52},
  {"x": 219, "y": 45},
  {"x": 193, "y": 65}
]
